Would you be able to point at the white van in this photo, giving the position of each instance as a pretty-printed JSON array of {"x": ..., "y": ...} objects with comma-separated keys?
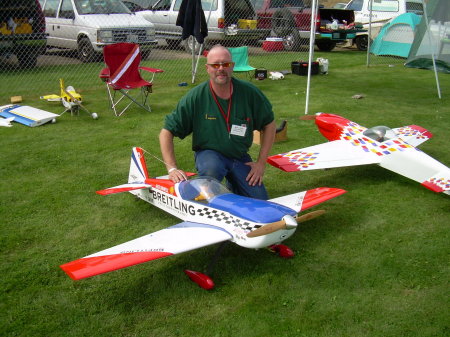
[
  {"x": 226, "y": 19},
  {"x": 88, "y": 25},
  {"x": 382, "y": 12}
]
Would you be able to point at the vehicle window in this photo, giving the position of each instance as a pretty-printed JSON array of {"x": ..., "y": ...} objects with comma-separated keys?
[
  {"x": 101, "y": 7},
  {"x": 51, "y": 7},
  {"x": 286, "y": 3},
  {"x": 414, "y": 7},
  {"x": 355, "y": 5},
  {"x": 384, "y": 6},
  {"x": 66, "y": 10},
  {"x": 209, "y": 5},
  {"x": 257, "y": 4},
  {"x": 177, "y": 5},
  {"x": 163, "y": 5},
  {"x": 235, "y": 10}
]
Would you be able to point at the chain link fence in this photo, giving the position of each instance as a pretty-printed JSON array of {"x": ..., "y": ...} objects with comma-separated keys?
[{"x": 77, "y": 29}]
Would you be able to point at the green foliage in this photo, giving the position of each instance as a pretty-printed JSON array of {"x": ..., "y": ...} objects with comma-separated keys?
[{"x": 376, "y": 264}]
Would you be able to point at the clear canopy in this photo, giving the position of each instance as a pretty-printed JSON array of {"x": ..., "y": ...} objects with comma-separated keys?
[{"x": 201, "y": 189}]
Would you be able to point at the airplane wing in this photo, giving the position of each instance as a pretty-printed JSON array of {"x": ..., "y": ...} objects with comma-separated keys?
[
  {"x": 418, "y": 166},
  {"x": 124, "y": 188},
  {"x": 304, "y": 200},
  {"x": 177, "y": 239},
  {"x": 413, "y": 134},
  {"x": 51, "y": 97},
  {"x": 338, "y": 153}
]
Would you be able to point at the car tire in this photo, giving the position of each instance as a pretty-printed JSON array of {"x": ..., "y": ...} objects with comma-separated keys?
[
  {"x": 27, "y": 59},
  {"x": 86, "y": 52},
  {"x": 292, "y": 41},
  {"x": 283, "y": 22},
  {"x": 325, "y": 44},
  {"x": 361, "y": 42},
  {"x": 173, "y": 44}
]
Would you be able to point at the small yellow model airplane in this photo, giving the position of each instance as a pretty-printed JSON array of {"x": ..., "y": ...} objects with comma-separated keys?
[{"x": 70, "y": 99}]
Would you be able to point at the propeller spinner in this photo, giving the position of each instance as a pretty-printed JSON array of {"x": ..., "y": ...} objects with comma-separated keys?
[{"x": 287, "y": 222}]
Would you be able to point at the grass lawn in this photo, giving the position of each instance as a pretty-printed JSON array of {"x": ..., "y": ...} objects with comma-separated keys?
[{"x": 376, "y": 264}]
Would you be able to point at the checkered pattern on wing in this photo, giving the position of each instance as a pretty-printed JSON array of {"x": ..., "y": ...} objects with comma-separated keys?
[
  {"x": 220, "y": 216},
  {"x": 245, "y": 225},
  {"x": 215, "y": 214}
]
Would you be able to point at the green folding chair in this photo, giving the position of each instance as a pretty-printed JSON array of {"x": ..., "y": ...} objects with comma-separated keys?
[{"x": 239, "y": 55}]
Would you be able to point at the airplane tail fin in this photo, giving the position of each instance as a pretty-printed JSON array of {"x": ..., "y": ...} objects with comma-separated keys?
[
  {"x": 138, "y": 166},
  {"x": 61, "y": 87}
]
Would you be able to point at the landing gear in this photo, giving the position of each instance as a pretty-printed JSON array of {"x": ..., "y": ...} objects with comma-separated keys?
[
  {"x": 282, "y": 251},
  {"x": 203, "y": 280},
  {"x": 206, "y": 282}
]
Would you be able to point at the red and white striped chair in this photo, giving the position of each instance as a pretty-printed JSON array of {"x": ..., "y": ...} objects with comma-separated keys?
[{"x": 123, "y": 74}]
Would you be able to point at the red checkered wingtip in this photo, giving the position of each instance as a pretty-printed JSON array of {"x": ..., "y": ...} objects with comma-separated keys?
[{"x": 283, "y": 163}]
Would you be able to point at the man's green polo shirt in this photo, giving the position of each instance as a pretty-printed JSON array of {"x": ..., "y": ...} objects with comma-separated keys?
[{"x": 198, "y": 113}]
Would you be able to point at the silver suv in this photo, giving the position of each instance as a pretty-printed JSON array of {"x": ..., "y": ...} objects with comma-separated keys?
[
  {"x": 88, "y": 25},
  {"x": 227, "y": 20}
]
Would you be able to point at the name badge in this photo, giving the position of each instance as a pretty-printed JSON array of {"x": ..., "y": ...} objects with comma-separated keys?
[{"x": 238, "y": 130}]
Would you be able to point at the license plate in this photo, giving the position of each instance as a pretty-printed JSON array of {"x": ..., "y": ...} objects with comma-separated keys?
[{"x": 132, "y": 38}]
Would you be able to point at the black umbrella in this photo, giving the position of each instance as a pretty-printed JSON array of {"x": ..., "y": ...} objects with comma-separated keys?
[{"x": 192, "y": 19}]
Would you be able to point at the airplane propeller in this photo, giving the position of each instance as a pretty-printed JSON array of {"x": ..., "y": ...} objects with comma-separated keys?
[{"x": 287, "y": 222}]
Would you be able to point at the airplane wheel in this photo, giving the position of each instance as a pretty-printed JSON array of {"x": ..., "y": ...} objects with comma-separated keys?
[
  {"x": 203, "y": 281},
  {"x": 282, "y": 251}
]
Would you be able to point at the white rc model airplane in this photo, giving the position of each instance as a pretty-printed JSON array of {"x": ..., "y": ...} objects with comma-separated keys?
[
  {"x": 352, "y": 144},
  {"x": 210, "y": 214}
]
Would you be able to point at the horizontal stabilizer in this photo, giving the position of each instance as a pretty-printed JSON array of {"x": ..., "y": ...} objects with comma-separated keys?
[
  {"x": 124, "y": 188},
  {"x": 413, "y": 134},
  {"x": 304, "y": 200},
  {"x": 338, "y": 153},
  {"x": 177, "y": 239}
]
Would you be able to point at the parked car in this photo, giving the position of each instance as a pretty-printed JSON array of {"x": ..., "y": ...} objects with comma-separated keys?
[
  {"x": 340, "y": 5},
  {"x": 88, "y": 25},
  {"x": 139, "y": 5},
  {"x": 291, "y": 20},
  {"x": 22, "y": 31},
  {"x": 382, "y": 12},
  {"x": 228, "y": 20}
]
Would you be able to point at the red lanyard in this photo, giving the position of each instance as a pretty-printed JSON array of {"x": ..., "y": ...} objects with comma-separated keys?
[{"x": 227, "y": 116}]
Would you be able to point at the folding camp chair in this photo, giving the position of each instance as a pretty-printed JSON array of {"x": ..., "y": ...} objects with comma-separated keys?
[
  {"x": 239, "y": 55},
  {"x": 122, "y": 74}
]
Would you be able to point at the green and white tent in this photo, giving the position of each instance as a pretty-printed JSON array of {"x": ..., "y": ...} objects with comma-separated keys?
[
  {"x": 396, "y": 36},
  {"x": 431, "y": 45}
]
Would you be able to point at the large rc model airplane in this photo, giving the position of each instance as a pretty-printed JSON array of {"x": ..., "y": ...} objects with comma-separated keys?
[
  {"x": 210, "y": 214},
  {"x": 352, "y": 144}
]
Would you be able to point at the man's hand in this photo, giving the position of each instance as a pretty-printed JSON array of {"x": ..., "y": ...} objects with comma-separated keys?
[
  {"x": 255, "y": 176},
  {"x": 177, "y": 175}
]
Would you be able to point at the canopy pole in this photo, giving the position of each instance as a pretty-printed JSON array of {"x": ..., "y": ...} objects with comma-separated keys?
[
  {"x": 433, "y": 58},
  {"x": 194, "y": 71},
  {"x": 369, "y": 33},
  {"x": 312, "y": 35}
]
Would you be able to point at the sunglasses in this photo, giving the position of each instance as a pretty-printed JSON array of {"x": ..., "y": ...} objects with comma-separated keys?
[{"x": 223, "y": 64}]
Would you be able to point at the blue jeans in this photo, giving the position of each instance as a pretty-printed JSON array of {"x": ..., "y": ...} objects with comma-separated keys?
[{"x": 213, "y": 164}]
